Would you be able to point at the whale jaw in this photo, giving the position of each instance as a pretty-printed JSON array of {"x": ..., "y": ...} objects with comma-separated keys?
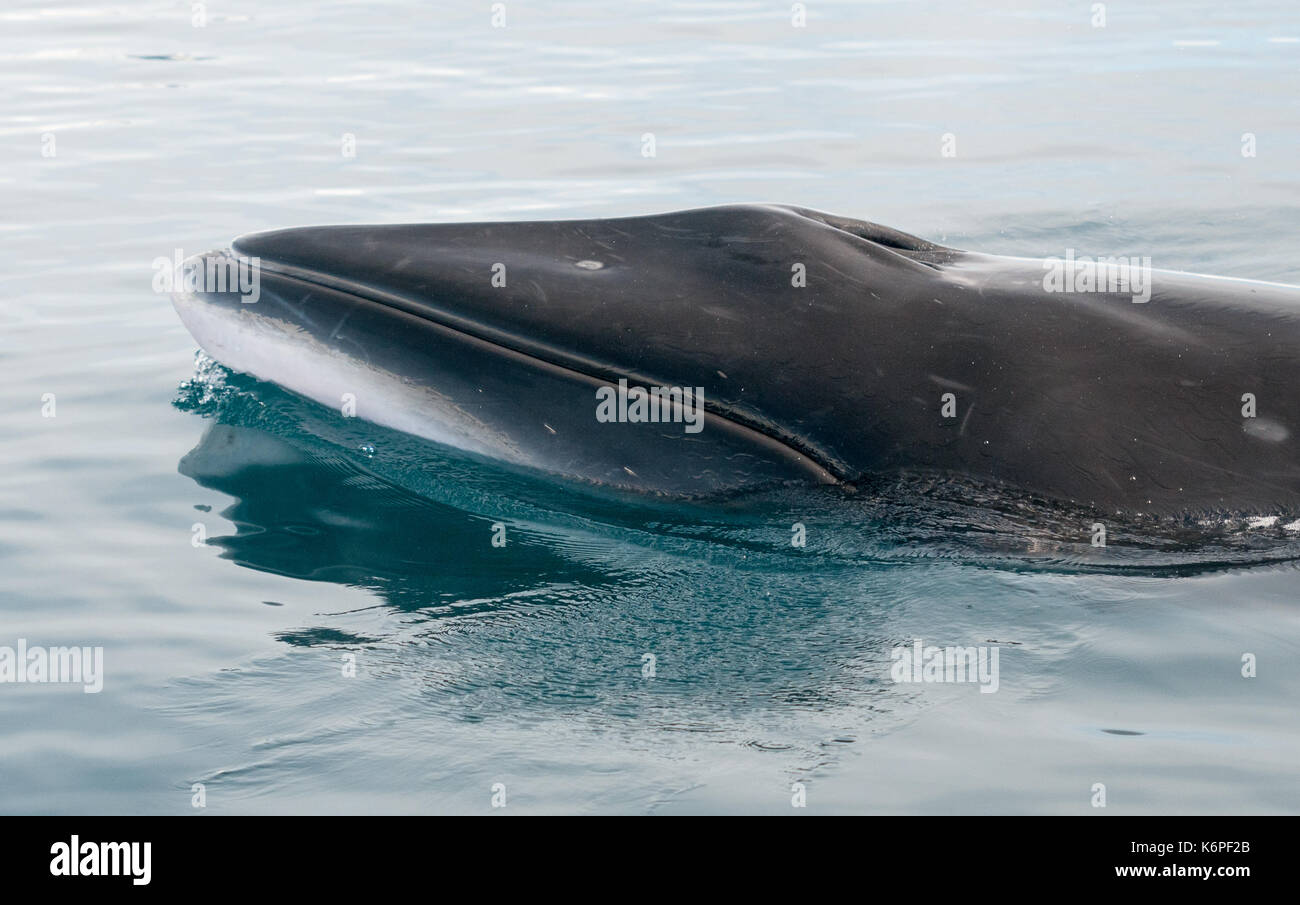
[{"x": 372, "y": 359}]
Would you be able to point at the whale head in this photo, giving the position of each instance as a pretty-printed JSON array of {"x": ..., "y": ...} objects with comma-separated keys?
[{"x": 689, "y": 353}]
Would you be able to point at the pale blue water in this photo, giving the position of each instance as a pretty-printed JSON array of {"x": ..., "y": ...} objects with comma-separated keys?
[{"x": 523, "y": 665}]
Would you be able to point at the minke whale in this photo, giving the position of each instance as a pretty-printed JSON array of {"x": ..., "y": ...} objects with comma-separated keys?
[{"x": 708, "y": 351}]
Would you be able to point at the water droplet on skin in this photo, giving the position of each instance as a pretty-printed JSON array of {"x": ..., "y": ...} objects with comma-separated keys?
[
  {"x": 589, "y": 265},
  {"x": 366, "y": 450}
]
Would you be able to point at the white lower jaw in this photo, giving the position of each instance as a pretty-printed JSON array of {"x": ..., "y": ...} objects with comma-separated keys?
[{"x": 283, "y": 353}]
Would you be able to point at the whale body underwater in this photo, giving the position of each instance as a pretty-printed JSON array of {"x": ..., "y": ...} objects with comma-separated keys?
[{"x": 775, "y": 343}]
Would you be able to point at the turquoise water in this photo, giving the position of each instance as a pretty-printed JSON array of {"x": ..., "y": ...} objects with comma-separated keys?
[{"x": 325, "y": 538}]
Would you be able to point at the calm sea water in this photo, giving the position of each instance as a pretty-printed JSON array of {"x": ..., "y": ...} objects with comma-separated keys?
[{"x": 127, "y": 132}]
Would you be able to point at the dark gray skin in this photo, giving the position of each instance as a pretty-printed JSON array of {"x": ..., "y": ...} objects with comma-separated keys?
[{"x": 1085, "y": 398}]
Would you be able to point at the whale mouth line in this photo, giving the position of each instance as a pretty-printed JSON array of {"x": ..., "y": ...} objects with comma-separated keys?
[{"x": 550, "y": 357}]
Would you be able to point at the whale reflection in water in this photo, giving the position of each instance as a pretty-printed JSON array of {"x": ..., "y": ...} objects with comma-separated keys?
[{"x": 317, "y": 516}]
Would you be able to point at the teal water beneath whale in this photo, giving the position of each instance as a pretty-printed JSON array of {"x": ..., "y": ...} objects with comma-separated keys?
[{"x": 233, "y": 547}]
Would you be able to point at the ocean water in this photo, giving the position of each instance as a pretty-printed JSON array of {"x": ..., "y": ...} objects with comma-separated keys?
[{"x": 235, "y": 549}]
